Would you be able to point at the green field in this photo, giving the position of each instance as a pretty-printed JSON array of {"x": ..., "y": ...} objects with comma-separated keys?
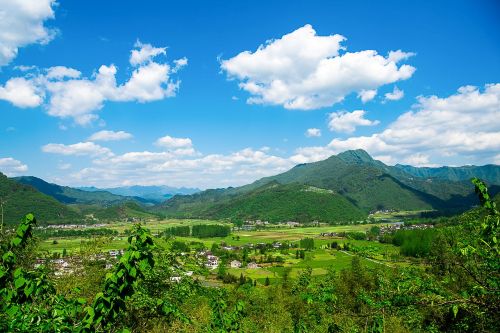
[{"x": 319, "y": 260}]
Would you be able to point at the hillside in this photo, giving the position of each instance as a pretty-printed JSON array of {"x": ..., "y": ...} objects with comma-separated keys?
[
  {"x": 489, "y": 173},
  {"x": 293, "y": 202},
  {"x": 69, "y": 195},
  {"x": 366, "y": 183},
  {"x": 19, "y": 199},
  {"x": 127, "y": 210}
]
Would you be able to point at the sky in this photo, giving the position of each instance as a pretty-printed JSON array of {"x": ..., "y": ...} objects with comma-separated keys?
[{"x": 213, "y": 94}]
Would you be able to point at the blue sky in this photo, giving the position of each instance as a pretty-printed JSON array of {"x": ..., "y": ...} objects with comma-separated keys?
[{"x": 187, "y": 98}]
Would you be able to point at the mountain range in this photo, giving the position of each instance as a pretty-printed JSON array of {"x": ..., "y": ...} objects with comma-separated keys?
[
  {"x": 343, "y": 188},
  {"x": 352, "y": 176}
]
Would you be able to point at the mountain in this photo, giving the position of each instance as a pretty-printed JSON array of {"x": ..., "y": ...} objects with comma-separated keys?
[
  {"x": 69, "y": 195},
  {"x": 272, "y": 202},
  {"x": 150, "y": 193},
  {"x": 354, "y": 175},
  {"x": 489, "y": 173},
  {"x": 19, "y": 199}
]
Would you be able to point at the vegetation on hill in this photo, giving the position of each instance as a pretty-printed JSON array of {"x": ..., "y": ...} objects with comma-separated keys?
[
  {"x": 353, "y": 175},
  {"x": 127, "y": 210},
  {"x": 489, "y": 173},
  {"x": 273, "y": 202},
  {"x": 18, "y": 199}
]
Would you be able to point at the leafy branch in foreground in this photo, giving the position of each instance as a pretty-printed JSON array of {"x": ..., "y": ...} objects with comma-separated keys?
[
  {"x": 29, "y": 301},
  {"x": 120, "y": 284}
]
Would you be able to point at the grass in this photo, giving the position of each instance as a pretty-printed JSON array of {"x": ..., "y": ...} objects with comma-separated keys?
[{"x": 319, "y": 260}]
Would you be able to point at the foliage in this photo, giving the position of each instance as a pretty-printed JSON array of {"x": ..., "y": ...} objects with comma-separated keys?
[
  {"x": 182, "y": 231},
  {"x": 307, "y": 244},
  {"x": 415, "y": 243},
  {"x": 210, "y": 230},
  {"x": 19, "y": 199},
  {"x": 88, "y": 232}
]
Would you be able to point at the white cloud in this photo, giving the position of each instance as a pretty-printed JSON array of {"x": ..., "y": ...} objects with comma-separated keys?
[
  {"x": 110, "y": 136},
  {"x": 171, "y": 142},
  {"x": 395, "y": 95},
  {"x": 305, "y": 71},
  {"x": 418, "y": 159},
  {"x": 69, "y": 95},
  {"x": 12, "y": 167},
  {"x": 61, "y": 72},
  {"x": 459, "y": 129},
  {"x": 177, "y": 146},
  {"x": 367, "y": 95},
  {"x": 313, "y": 132},
  {"x": 213, "y": 170},
  {"x": 144, "y": 53},
  {"x": 21, "y": 24},
  {"x": 77, "y": 149},
  {"x": 21, "y": 92},
  {"x": 179, "y": 63},
  {"x": 346, "y": 122}
]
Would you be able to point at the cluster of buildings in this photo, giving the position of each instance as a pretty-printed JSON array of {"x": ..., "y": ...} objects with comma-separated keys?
[
  {"x": 391, "y": 228},
  {"x": 71, "y": 226},
  {"x": 212, "y": 261}
]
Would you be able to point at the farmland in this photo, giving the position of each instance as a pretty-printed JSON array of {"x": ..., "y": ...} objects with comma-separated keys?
[{"x": 320, "y": 259}]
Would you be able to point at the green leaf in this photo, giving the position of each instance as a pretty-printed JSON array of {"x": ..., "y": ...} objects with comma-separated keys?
[
  {"x": 455, "y": 310},
  {"x": 16, "y": 241},
  {"x": 12, "y": 310},
  {"x": 19, "y": 282},
  {"x": 28, "y": 290}
]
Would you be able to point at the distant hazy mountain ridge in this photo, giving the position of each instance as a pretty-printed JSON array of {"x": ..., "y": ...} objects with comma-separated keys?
[{"x": 151, "y": 193}]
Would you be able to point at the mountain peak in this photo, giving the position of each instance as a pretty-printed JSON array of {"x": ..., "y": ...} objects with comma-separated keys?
[{"x": 357, "y": 156}]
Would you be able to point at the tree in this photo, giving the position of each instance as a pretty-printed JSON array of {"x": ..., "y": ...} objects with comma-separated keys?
[{"x": 267, "y": 282}]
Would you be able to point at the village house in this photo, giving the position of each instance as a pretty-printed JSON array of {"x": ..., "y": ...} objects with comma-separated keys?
[
  {"x": 292, "y": 224},
  {"x": 235, "y": 264},
  {"x": 252, "y": 265},
  {"x": 212, "y": 262},
  {"x": 176, "y": 279}
]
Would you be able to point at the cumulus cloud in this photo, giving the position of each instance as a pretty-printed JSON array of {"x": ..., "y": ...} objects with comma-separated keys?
[
  {"x": 176, "y": 146},
  {"x": 21, "y": 92},
  {"x": 22, "y": 23},
  {"x": 12, "y": 167},
  {"x": 77, "y": 149},
  {"x": 207, "y": 171},
  {"x": 144, "y": 53},
  {"x": 305, "y": 71},
  {"x": 110, "y": 136},
  {"x": 367, "y": 95},
  {"x": 462, "y": 128},
  {"x": 395, "y": 95},
  {"x": 69, "y": 95},
  {"x": 313, "y": 132},
  {"x": 171, "y": 142},
  {"x": 61, "y": 72},
  {"x": 346, "y": 122}
]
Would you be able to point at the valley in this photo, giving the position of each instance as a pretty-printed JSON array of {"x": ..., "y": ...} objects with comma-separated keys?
[{"x": 348, "y": 224}]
